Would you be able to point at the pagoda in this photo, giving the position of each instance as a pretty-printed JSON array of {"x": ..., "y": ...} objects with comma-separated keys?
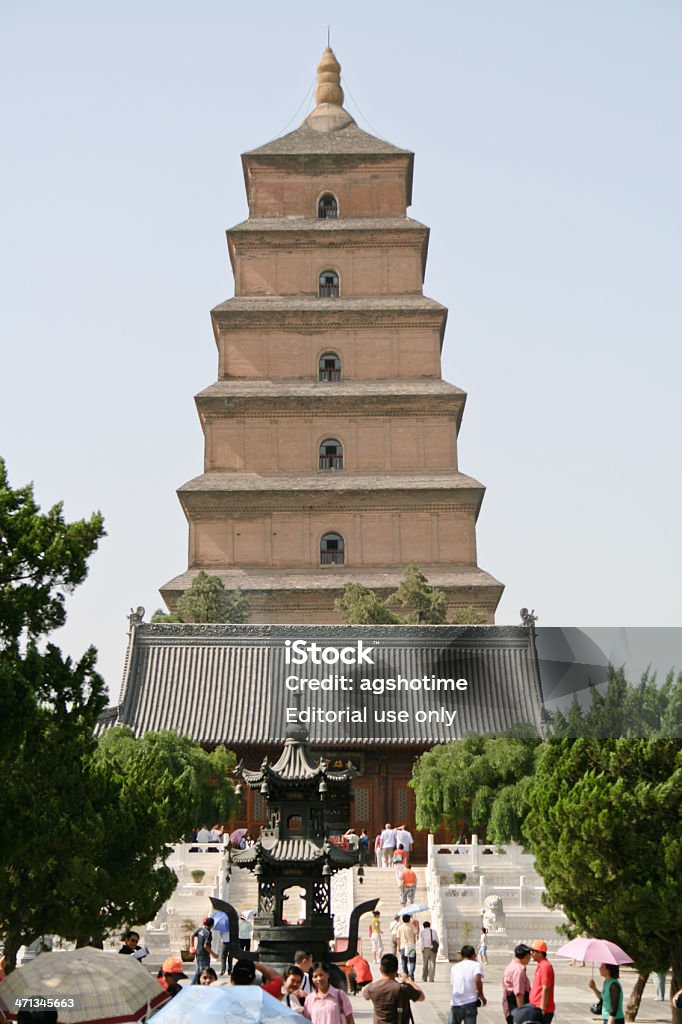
[{"x": 330, "y": 436}]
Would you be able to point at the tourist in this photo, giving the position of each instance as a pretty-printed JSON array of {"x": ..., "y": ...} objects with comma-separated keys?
[
  {"x": 202, "y": 948},
  {"x": 208, "y": 976},
  {"x": 611, "y": 994},
  {"x": 170, "y": 974},
  {"x": 403, "y": 837},
  {"x": 387, "y": 845},
  {"x": 515, "y": 983},
  {"x": 303, "y": 959},
  {"x": 360, "y": 973},
  {"x": 352, "y": 839},
  {"x": 364, "y": 848},
  {"x": 408, "y": 884},
  {"x": 378, "y": 851},
  {"x": 483, "y": 947},
  {"x": 660, "y": 978},
  {"x": 429, "y": 943},
  {"x": 542, "y": 987},
  {"x": 131, "y": 943},
  {"x": 245, "y": 933},
  {"x": 466, "y": 985},
  {"x": 399, "y": 861},
  {"x": 246, "y": 972},
  {"x": 326, "y": 1004},
  {"x": 221, "y": 938},
  {"x": 203, "y": 835},
  {"x": 393, "y": 931},
  {"x": 407, "y": 946},
  {"x": 292, "y": 995},
  {"x": 375, "y": 935},
  {"x": 390, "y": 997}
]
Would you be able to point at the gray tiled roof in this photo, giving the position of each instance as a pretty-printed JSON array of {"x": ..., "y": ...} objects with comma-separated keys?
[
  {"x": 293, "y": 303},
  {"x": 346, "y": 141},
  {"x": 306, "y": 851},
  {"x": 220, "y": 683},
  {"x": 335, "y": 225},
  {"x": 335, "y": 577},
  {"x": 341, "y": 481},
  {"x": 427, "y": 387}
]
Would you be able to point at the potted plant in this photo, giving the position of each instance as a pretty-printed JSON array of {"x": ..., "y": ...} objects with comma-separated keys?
[
  {"x": 458, "y": 877},
  {"x": 188, "y": 929},
  {"x": 197, "y": 875}
]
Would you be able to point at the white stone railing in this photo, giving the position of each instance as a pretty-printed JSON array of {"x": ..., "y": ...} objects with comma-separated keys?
[
  {"x": 434, "y": 899},
  {"x": 515, "y": 897},
  {"x": 477, "y": 856}
]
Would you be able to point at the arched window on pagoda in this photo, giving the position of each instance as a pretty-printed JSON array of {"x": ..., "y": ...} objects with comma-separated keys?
[
  {"x": 329, "y": 284},
  {"x": 331, "y": 454},
  {"x": 327, "y": 207},
  {"x": 330, "y": 367},
  {"x": 332, "y": 549}
]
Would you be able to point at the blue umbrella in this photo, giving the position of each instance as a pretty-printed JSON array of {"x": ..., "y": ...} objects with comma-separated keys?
[
  {"x": 223, "y": 1004},
  {"x": 414, "y": 908},
  {"x": 220, "y": 922}
]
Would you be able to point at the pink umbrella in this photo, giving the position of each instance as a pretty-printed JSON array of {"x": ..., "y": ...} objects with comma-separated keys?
[
  {"x": 238, "y": 834},
  {"x": 594, "y": 950}
]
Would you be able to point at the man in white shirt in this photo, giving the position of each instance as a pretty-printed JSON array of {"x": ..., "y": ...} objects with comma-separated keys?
[
  {"x": 466, "y": 980},
  {"x": 427, "y": 937},
  {"x": 404, "y": 836},
  {"x": 203, "y": 835},
  {"x": 388, "y": 845}
]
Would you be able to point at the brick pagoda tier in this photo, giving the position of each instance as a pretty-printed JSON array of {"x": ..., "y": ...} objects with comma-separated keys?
[{"x": 330, "y": 437}]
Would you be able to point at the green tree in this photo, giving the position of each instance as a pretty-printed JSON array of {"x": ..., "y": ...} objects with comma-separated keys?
[
  {"x": 420, "y": 603},
  {"x": 208, "y": 600},
  {"x": 361, "y": 606},
  {"x": 479, "y": 783},
  {"x": 415, "y": 602},
  {"x": 108, "y": 813},
  {"x": 42, "y": 558},
  {"x": 623, "y": 709},
  {"x": 49, "y": 703},
  {"x": 605, "y": 825}
]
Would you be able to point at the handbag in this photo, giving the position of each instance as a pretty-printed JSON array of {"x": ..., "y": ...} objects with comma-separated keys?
[
  {"x": 435, "y": 946},
  {"x": 596, "y": 1008},
  {"x": 403, "y": 1008}
]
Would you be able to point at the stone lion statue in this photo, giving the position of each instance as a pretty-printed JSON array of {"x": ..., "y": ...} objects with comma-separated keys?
[{"x": 493, "y": 914}]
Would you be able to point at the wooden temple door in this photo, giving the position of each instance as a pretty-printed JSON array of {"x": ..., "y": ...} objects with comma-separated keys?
[
  {"x": 402, "y": 813},
  {"x": 361, "y": 807}
]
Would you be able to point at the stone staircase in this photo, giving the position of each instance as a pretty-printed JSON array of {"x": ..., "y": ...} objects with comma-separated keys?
[
  {"x": 462, "y": 879},
  {"x": 189, "y": 904},
  {"x": 381, "y": 882},
  {"x": 242, "y": 890}
]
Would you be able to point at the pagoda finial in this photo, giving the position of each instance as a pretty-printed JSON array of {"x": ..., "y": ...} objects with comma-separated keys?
[{"x": 329, "y": 80}]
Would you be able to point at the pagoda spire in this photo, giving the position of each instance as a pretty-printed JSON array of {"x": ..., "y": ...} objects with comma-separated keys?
[
  {"x": 329, "y": 80},
  {"x": 329, "y": 114}
]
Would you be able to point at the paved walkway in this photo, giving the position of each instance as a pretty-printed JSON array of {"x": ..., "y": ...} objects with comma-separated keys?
[{"x": 573, "y": 997}]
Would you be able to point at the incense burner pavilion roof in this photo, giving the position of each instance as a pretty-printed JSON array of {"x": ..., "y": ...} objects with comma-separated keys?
[{"x": 273, "y": 850}]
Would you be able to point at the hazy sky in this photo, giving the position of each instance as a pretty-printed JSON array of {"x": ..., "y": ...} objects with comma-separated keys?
[{"x": 548, "y": 159}]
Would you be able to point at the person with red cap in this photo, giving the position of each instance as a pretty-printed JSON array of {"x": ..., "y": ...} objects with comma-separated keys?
[{"x": 542, "y": 988}]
